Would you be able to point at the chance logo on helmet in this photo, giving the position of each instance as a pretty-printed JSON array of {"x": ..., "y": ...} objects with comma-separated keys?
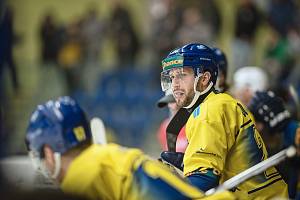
[{"x": 172, "y": 62}]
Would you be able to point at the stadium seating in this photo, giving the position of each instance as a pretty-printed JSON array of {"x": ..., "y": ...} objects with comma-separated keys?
[{"x": 126, "y": 101}]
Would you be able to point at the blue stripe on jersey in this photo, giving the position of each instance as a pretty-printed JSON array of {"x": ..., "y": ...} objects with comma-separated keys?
[
  {"x": 151, "y": 188},
  {"x": 253, "y": 149},
  {"x": 196, "y": 112}
]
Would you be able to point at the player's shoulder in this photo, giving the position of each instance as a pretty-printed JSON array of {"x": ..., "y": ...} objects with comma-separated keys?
[
  {"x": 221, "y": 103},
  {"x": 221, "y": 99}
]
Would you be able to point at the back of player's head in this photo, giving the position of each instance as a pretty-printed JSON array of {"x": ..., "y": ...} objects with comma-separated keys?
[
  {"x": 251, "y": 77},
  {"x": 60, "y": 124},
  {"x": 270, "y": 110}
]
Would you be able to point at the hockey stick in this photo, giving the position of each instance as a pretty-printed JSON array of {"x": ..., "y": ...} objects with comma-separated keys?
[
  {"x": 179, "y": 121},
  {"x": 98, "y": 131},
  {"x": 295, "y": 98},
  {"x": 174, "y": 127},
  {"x": 254, "y": 170}
]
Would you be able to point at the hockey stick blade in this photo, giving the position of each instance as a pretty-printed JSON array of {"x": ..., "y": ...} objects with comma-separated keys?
[{"x": 98, "y": 131}]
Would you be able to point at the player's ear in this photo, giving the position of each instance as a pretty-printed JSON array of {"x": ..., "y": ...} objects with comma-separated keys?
[
  {"x": 49, "y": 157},
  {"x": 205, "y": 78}
]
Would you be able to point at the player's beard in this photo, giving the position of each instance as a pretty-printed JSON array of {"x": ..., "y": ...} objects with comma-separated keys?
[{"x": 185, "y": 99}]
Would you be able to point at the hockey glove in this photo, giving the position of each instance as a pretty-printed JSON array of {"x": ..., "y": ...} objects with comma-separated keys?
[{"x": 173, "y": 158}]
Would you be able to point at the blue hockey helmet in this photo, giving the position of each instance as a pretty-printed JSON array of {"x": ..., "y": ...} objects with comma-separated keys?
[
  {"x": 221, "y": 60},
  {"x": 61, "y": 124},
  {"x": 198, "y": 56}
]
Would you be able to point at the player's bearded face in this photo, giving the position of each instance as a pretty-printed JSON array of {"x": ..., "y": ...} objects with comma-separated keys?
[{"x": 183, "y": 85}]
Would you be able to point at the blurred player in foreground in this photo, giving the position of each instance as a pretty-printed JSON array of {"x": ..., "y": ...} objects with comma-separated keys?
[
  {"x": 279, "y": 131},
  {"x": 59, "y": 141},
  {"x": 222, "y": 139}
]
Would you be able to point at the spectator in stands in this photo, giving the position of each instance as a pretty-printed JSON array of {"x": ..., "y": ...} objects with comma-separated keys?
[
  {"x": 124, "y": 36},
  {"x": 93, "y": 31},
  {"x": 70, "y": 57},
  {"x": 247, "y": 21},
  {"x": 7, "y": 41},
  {"x": 282, "y": 15},
  {"x": 49, "y": 40},
  {"x": 279, "y": 60},
  {"x": 193, "y": 27}
]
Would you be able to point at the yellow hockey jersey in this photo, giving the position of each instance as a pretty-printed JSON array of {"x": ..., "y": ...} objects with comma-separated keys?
[
  {"x": 114, "y": 172},
  {"x": 222, "y": 136}
]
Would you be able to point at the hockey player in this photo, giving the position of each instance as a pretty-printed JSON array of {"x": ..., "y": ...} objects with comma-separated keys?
[
  {"x": 246, "y": 81},
  {"x": 169, "y": 100},
  {"x": 59, "y": 141},
  {"x": 275, "y": 122},
  {"x": 221, "y": 60},
  {"x": 272, "y": 117},
  {"x": 222, "y": 139}
]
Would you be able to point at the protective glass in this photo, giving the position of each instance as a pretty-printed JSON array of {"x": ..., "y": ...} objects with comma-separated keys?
[
  {"x": 169, "y": 64},
  {"x": 168, "y": 76}
]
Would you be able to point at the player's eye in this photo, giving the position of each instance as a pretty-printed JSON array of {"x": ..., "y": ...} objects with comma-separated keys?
[{"x": 182, "y": 75}]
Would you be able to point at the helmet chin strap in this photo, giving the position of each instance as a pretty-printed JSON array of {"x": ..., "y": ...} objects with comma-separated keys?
[
  {"x": 40, "y": 166},
  {"x": 57, "y": 165},
  {"x": 197, "y": 93}
]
